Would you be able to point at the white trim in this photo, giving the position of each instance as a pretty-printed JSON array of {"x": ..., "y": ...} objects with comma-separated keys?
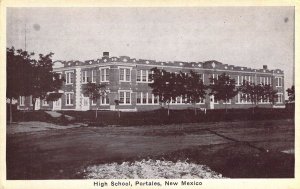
[
  {"x": 279, "y": 106},
  {"x": 165, "y": 66},
  {"x": 69, "y": 71}
]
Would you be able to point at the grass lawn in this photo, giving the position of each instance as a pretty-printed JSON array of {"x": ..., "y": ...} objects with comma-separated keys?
[{"x": 235, "y": 149}]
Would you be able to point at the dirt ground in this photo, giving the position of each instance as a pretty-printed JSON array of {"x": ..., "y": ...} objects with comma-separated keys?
[{"x": 242, "y": 149}]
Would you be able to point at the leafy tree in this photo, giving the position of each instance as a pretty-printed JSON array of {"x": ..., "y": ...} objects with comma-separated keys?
[
  {"x": 269, "y": 93},
  {"x": 163, "y": 86},
  {"x": 117, "y": 103},
  {"x": 195, "y": 90},
  {"x": 43, "y": 79},
  {"x": 18, "y": 71},
  {"x": 252, "y": 92},
  {"x": 94, "y": 91},
  {"x": 291, "y": 93},
  {"x": 223, "y": 88}
]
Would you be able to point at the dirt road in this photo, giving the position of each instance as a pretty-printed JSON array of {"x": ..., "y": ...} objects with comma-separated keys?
[{"x": 235, "y": 149}]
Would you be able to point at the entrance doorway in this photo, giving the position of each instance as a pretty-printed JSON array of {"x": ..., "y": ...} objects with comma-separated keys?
[
  {"x": 57, "y": 104},
  {"x": 212, "y": 102}
]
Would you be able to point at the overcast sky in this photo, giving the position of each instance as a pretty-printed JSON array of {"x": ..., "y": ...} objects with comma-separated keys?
[{"x": 245, "y": 36}]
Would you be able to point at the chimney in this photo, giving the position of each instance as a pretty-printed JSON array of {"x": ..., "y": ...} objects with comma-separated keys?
[
  {"x": 106, "y": 54},
  {"x": 265, "y": 67}
]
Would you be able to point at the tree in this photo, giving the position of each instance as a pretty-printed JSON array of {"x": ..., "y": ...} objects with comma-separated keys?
[
  {"x": 43, "y": 79},
  {"x": 223, "y": 88},
  {"x": 18, "y": 71},
  {"x": 252, "y": 92},
  {"x": 269, "y": 93},
  {"x": 195, "y": 89},
  {"x": 163, "y": 86},
  {"x": 94, "y": 91},
  {"x": 117, "y": 103},
  {"x": 291, "y": 93}
]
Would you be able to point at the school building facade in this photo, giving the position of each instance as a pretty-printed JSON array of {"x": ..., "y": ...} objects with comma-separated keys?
[{"x": 127, "y": 80}]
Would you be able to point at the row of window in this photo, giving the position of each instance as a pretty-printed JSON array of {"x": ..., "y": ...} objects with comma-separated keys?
[
  {"x": 147, "y": 98},
  {"x": 22, "y": 101},
  {"x": 242, "y": 99},
  {"x": 143, "y": 77}
]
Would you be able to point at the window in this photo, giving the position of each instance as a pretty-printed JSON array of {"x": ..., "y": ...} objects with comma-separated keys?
[
  {"x": 201, "y": 101},
  {"x": 124, "y": 97},
  {"x": 94, "y": 102},
  {"x": 249, "y": 79},
  {"x": 150, "y": 96},
  {"x": 144, "y": 98},
  {"x": 149, "y": 77},
  {"x": 59, "y": 75},
  {"x": 178, "y": 100},
  {"x": 202, "y": 77},
  {"x": 69, "y": 99},
  {"x": 94, "y": 76},
  {"x": 125, "y": 74},
  {"x": 22, "y": 100},
  {"x": 242, "y": 80},
  {"x": 138, "y": 98},
  {"x": 212, "y": 76},
  {"x": 144, "y": 75},
  {"x": 30, "y": 100},
  {"x": 85, "y": 78},
  {"x": 104, "y": 74},
  {"x": 227, "y": 101},
  {"x": 155, "y": 99},
  {"x": 279, "y": 98},
  {"x": 173, "y": 100},
  {"x": 138, "y": 75},
  {"x": 278, "y": 81},
  {"x": 105, "y": 99},
  {"x": 69, "y": 77},
  {"x": 127, "y": 97},
  {"x": 263, "y": 80},
  {"x": 122, "y": 70},
  {"x": 45, "y": 103},
  {"x": 215, "y": 101}
]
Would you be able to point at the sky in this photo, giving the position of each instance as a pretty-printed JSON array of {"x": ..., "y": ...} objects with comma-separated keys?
[{"x": 242, "y": 36}]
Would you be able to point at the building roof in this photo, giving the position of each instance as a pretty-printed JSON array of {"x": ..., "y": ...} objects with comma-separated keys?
[{"x": 210, "y": 64}]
